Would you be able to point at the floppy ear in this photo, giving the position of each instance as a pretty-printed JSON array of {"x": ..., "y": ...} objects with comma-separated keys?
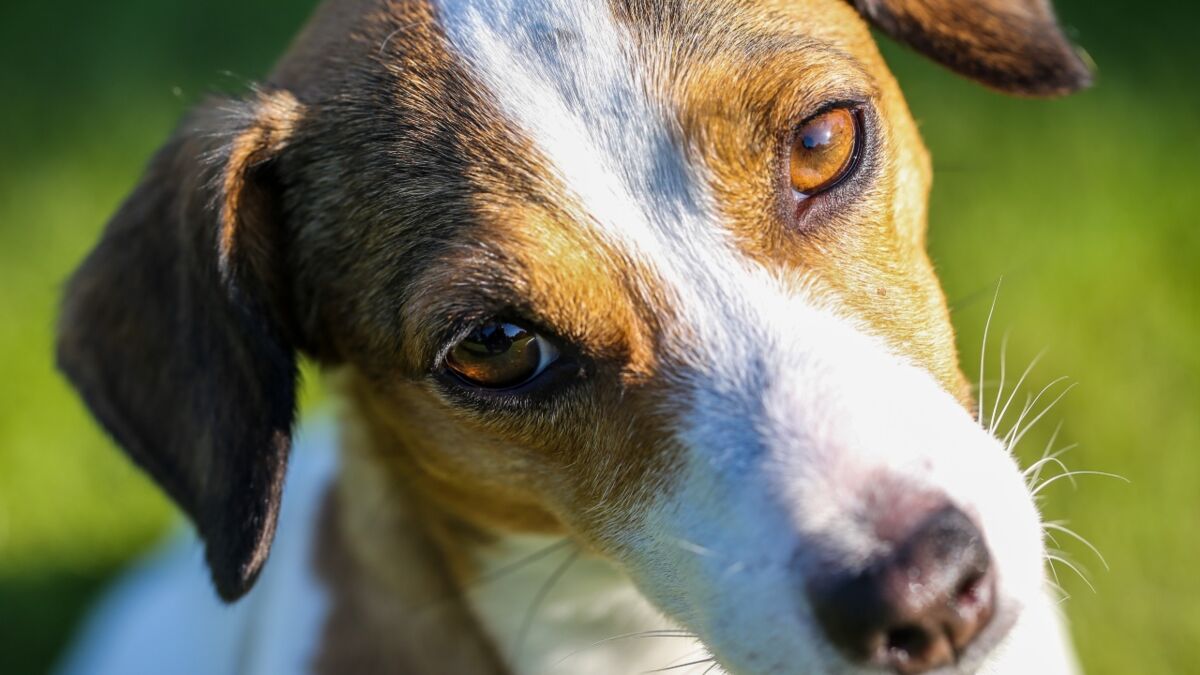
[
  {"x": 174, "y": 330},
  {"x": 1015, "y": 46}
]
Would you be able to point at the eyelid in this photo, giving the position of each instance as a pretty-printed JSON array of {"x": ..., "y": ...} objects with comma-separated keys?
[
  {"x": 448, "y": 342},
  {"x": 855, "y": 103}
]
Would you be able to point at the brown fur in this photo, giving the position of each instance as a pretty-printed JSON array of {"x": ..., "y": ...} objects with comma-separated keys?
[
  {"x": 371, "y": 201},
  {"x": 736, "y": 97}
]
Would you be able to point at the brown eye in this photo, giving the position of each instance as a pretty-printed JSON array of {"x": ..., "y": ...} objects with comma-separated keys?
[
  {"x": 823, "y": 151},
  {"x": 498, "y": 355}
]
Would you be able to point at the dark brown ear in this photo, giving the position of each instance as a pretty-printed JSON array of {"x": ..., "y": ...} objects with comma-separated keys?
[
  {"x": 174, "y": 332},
  {"x": 1015, "y": 46}
]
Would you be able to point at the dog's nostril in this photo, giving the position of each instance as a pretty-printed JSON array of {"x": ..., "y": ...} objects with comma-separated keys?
[
  {"x": 907, "y": 640},
  {"x": 971, "y": 590},
  {"x": 917, "y": 608}
]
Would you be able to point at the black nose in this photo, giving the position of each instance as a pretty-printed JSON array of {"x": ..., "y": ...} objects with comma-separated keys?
[{"x": 918, "y": 607}]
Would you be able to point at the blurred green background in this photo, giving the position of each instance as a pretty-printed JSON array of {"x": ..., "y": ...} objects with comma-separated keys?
[{"x": 1088, "y": 208}]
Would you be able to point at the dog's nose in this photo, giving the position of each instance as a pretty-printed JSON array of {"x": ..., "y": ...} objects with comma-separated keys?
[{"x": 916, "y": 609}]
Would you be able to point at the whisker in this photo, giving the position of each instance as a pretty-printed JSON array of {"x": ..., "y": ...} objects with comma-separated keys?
[
  {"x": 691, "y": 655},
  {"x": 1042, "y": 462},
  {"x": 1016, "y": 387},
  {"x": 1037, "y": 473},
  {"x": 665, "y": 632},
  {"x": 1055, "y": 586},
  {"x": 1051, "y": 480},
  {"x": 991, "y": 424},
  {"x": 516, "y": 565},
  {"x": 476, "y": 584},
  {"x": 983, "y": 351},
  {"x": 1051, "y": 556},
  {"x": 681, "y": 665},
  {"x": 1054, "y": 572},
  {"x": 642, "y": 634},
  {"x": 1059, "y": 527},
  {"x": 1040, "y": 415},
  {"x": 531, "y": 613},
  {"x": 1048, "y": 458},
  {"x": 1019, "y": 426},
  {"x": 1020, "y": 418},
  {"x": 1036, "y": 467},
  {"x": 1052, "y": 538},
  {"x": 1058, "y": 588}
]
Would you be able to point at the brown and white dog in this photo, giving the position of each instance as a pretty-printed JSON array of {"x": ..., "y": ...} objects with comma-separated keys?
[{"x": 643, "y": 361}]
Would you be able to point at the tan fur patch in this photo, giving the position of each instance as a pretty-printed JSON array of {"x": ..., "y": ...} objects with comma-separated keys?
[{"x": 736, "y": 94}]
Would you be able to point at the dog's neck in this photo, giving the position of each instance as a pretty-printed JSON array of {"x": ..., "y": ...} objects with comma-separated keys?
[
  {"x": 548, "y": 607},
  {"x": 421, "y": 585}
]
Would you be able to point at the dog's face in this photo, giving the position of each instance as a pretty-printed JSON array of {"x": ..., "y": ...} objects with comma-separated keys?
[{"x": 652, "y": 273}]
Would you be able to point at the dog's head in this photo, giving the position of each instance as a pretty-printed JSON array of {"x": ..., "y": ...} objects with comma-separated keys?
[{"x": 649, "y": 272}]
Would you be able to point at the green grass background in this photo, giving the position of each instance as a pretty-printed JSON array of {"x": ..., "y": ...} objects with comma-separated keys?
[{"x": 1088, "y": 208}]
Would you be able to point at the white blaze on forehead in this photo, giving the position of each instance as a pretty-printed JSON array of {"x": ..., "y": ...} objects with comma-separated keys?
[{"x": 568, "y": 76}]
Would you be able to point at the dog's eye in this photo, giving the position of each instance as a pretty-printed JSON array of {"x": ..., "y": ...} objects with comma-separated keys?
[
  {"x": 499, "y": 355},
  {"x": 823, "y": 151}
]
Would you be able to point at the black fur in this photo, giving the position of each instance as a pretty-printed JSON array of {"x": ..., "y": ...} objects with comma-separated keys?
[{"x": 191, "y": 370}]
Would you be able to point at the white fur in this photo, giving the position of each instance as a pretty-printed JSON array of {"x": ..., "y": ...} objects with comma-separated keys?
[
  {"x": 781, "y": 460},
  {"x": 566, "y": 75},
  {"x": 164, "y": 617},
  {"x": 794, "y": 409},
  {"x": 586, "y": 622}
]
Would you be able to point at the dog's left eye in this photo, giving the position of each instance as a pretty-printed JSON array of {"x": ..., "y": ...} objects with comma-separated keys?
[{"x": 501, "y": 355}]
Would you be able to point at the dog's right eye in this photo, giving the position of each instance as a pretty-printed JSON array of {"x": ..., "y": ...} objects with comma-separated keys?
[
  {"x": 501, "y": 355},
  {"x": 824, "y": 151}
]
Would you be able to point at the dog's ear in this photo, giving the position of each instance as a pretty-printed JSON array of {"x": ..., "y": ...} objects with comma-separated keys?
[
  {"x": 1015, "y": 46},
  {"x": 174, "y": 329}
]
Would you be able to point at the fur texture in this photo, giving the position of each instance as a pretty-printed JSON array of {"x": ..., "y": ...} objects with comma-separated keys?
[{"x": 753, "y": 386}]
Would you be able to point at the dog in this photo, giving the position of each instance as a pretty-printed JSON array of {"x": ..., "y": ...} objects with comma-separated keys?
[{"x": 641, "y": 360}]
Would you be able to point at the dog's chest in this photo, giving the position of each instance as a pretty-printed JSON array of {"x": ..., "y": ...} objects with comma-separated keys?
[{"x": 565, "y": 612}]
